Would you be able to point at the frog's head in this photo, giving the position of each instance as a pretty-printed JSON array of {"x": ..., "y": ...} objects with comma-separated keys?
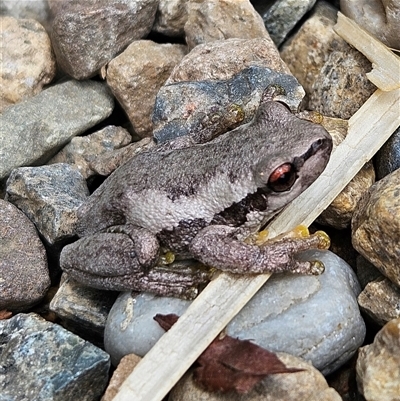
[{"x": 297, "y": 153}]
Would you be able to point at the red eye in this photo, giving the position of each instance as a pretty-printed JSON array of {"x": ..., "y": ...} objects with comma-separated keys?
[{"x": 282, "y": 178}]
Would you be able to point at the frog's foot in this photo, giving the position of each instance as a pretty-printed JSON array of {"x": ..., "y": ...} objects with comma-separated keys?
[
  {"x": 217, "y": 246},
  {"x": 122, "y": 259}
]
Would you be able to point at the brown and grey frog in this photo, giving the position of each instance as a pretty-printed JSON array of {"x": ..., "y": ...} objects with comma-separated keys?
[{"x": 200, "y": 201}]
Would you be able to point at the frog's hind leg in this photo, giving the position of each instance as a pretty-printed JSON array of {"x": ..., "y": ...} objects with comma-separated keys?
[
  {"x": 123, "y": 258},
  {"x": 217, "y": 246}
]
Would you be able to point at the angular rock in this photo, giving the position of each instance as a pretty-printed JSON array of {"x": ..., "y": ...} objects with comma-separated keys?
[
  {"x": 380, "y": 300},
  {"x": 222, "y": 19},
  {"x": 136, "y": 75},
  {"x": 205, "y": 109},
  {"x": 87, "y": 35},
  {"x": 31, "y": 132},
  {"x": 376, "y": 226},
  {"x": 49, "y": 196},
  {"x": 106, "y": 163},
  {"x": 282, "y": 16},
  {"x": 378, "y": 373},
  {"x": 124, "y": 369},
  {"x": 342, "y": 86},
  {"x": 82, "y": 151},
  {"x": 83, "y": 310},
  {"x": 308, "y": 385},
  {"x": 221, "y": 60},
  {"x": 306, "y": 51},
  {"x": 44, "y": 362},
  {"x": 28, "y": 62},
  {"x": 315, "y": 317},
  {"x": 387, "y": 159},
  {"x": 171, "y": 17},
  {"x": 24, "y": 277},
  {"x": 28, "y": 9},
  {"x": 381, "y": 18}
]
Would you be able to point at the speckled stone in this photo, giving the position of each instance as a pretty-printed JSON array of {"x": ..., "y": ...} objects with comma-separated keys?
[
  {"x": 50, "y": 196},
  {"x": 380, "y": 300},
  {"x": 82, "y": 151},
  {"x": 306, "y": 51},
  {"x": 41, "y": 361},
  {"x": 212, "y": 20},
  {"x": 27, "y": 63},
  {"x": 136, "y": 75},
  {"x": 376, "y": 226},
  {"x": 378, "y": 365},
  {"x": 24, "y": 276},
  {"x": 31, "y": 132},
  {"x": 83, "y": 310},
  {"x": 308, "y": 385},
  {"x": 87, "y": 35},
  {"x": 315, "y": 317}
]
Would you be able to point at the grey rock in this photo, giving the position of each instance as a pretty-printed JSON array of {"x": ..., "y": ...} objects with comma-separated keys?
[
  {"x": 217, "y": 106},
  {"x": 314, "y": 317},
  {"x": 378, "y": 365},
  {"x": 37, "y": 10},
  {"x": 27, "y": 61},
  {"x": 87, "y": 35},
  {"x": 49, "y": 196},
  {"x": 381, "y": 18},
  {"x": 282, "y": 16},
  {"x": 171, "y": 17},
  {"x": 380, "y": 300},
  {"x": 131, "y": 317},
  {"x": 136, "y": 75},
  {"x": 218, "y": 20},
  {"x": 308, "y": 385},
  {"x": 376, "y": 226},
  {"x": 82, "y": 151},
  {"x": 41, "y": 361},
  {"x": 387, "y": 159},
  {"x": 24, "y": 277},
  {"x": 31, "y": 132},
  {"x": 83, "y": 310}
]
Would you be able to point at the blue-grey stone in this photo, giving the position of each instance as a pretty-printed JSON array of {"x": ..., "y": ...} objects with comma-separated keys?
[
  {"x": 32, "y": 131},
  {"x": 313, "y": 317},
  {"x": 50, "y": 196},
  {"x": 42, "y": 361},
  {"x": 205, "y": 109}
]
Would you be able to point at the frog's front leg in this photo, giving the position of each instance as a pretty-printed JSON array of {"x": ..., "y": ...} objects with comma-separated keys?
[
  {"x": 217, "y": 246},
  {"x": 123, "y": 258}
]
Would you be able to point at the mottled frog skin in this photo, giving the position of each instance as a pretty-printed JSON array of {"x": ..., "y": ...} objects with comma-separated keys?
[{"x": 199, "y": 201}]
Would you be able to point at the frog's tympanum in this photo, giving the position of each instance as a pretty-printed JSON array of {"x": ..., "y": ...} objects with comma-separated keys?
[{"x": 200, "y": 201}]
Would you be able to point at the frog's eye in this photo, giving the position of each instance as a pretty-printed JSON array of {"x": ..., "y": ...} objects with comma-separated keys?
[{"x": 282, "y": 178}]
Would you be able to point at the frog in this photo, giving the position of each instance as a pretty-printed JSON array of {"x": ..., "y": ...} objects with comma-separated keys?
[{"x": 200, "y": 202}]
